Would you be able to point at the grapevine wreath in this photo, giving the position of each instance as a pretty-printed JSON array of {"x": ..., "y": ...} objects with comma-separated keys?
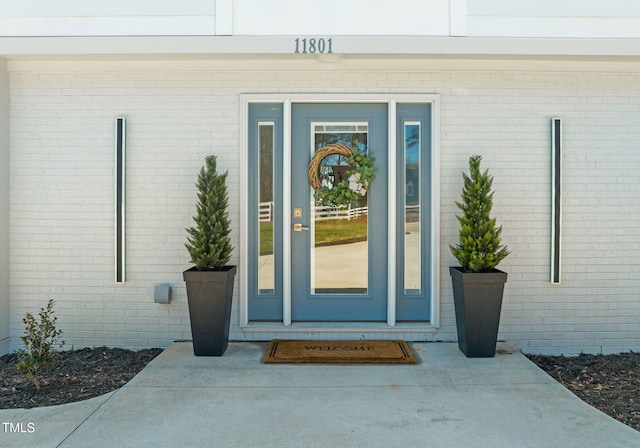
[{"x": 361, "y": 174}]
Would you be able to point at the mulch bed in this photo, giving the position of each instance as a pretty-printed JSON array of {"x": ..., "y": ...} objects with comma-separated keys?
[
  {"x": 76, "y": 375},
  {"x": 610, "y": 383}
]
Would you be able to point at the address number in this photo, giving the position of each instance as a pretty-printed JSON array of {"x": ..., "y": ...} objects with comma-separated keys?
[{"x": 313, "y": 45}]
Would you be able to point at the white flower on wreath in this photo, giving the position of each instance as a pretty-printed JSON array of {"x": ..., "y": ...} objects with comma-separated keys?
[{"x": 355, "y": 184}]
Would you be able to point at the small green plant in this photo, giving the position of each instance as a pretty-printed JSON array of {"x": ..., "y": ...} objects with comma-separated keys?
[
  {"x": 208, "y": 242},
  {"x": 40, "y": 339},
  {"x": 479, "y": 248}
]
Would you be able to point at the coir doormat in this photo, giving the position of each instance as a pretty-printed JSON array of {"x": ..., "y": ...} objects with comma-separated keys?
[{"x": 339, "y": 352}]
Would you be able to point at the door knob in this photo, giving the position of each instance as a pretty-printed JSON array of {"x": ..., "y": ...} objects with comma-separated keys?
[{"x": 298, "y": 227}]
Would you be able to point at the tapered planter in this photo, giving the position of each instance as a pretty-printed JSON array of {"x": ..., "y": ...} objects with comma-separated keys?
[
  {"x": 209, "y": 294},
  {"x": 478, "y": 300}
]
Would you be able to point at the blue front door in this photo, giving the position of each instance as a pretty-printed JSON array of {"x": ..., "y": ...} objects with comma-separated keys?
[
  {"x": 310, "y": 262},
  {"x": 338, "y": 254}
]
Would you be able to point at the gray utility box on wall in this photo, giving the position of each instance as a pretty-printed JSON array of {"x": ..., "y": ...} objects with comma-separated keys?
[{"x": 162, "y": 293}]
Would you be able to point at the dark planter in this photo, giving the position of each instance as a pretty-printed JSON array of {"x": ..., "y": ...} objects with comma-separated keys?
[
  {"x": 209, "y": 294},
  {"x": 478, "y": 300}
]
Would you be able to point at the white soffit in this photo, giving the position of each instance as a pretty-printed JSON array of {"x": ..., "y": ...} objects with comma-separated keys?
[{"x": 250, "y": 46}]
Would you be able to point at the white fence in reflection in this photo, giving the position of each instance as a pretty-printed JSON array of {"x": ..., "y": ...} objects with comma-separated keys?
[
  {"x": 265, "y": 212},
  {"x": 325, "y": 212}
]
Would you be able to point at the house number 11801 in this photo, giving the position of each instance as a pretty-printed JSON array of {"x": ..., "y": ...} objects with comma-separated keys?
[{"x": 313, "y": 45}]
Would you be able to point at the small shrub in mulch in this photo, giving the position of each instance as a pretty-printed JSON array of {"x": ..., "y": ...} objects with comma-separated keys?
[{"x": 73, "y": 376}]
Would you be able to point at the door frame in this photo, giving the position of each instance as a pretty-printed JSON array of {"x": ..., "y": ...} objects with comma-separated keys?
[{"x": 391, "y": 100}]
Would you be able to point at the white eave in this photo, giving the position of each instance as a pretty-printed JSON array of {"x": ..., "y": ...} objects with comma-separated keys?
[{"x": 152, "y": 47}]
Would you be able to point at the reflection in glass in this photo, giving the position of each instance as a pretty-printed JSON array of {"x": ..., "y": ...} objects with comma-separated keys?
[
  {"x": 340, "y": 251},
  {"x": 412, "y": 215},
  {"x": 266, "y": 265}
]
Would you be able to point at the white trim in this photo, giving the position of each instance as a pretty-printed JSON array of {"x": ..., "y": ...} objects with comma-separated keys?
[
  {"x": 378, "y": 46},
  {"x": 286, "y": 213},
  {"x": 243, "y": 247},
  {"x": 224, "y": 17},
  {"x": 390, "y": 99},
  {"x": 457, "y": 18},
  {"x": 338, "y": 327},
  {"x": 391, "y": 215},
  {"x": 435, "y": 211}
]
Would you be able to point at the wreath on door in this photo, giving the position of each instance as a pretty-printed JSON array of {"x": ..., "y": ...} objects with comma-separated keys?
[{"x": 361, "y": 174}]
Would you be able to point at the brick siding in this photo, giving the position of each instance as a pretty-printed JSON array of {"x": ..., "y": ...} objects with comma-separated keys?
[{"x": 61, "y": 198}]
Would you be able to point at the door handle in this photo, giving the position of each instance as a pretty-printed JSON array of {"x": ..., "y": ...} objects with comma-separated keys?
[{"x": 298, "y": 227}]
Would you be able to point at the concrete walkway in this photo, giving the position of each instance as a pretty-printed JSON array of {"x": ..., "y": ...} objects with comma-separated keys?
[{"x": 179, "y": 400}]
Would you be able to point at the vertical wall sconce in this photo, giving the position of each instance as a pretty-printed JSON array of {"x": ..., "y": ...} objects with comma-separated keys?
[
  {"x": 556, "y": 198},
  {"x": 120, "y": 198}
]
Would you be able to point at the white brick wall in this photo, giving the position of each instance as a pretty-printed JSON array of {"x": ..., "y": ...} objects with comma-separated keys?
[{"x": 62, "y": 241}]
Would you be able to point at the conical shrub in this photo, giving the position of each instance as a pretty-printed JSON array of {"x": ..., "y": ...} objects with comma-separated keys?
[
  {"x": 209, "y": 243},
  {"x": 478, "y": 248}
]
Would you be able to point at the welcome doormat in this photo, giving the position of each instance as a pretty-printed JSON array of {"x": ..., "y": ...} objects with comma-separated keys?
[{"x": 338, "y": 352}]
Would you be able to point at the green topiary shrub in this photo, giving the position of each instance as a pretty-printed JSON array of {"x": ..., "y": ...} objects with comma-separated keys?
[
  {"x": 208, "y": 242},
  {"x": 39, "y": 341},
  {"x": 478, "y": 249}
]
